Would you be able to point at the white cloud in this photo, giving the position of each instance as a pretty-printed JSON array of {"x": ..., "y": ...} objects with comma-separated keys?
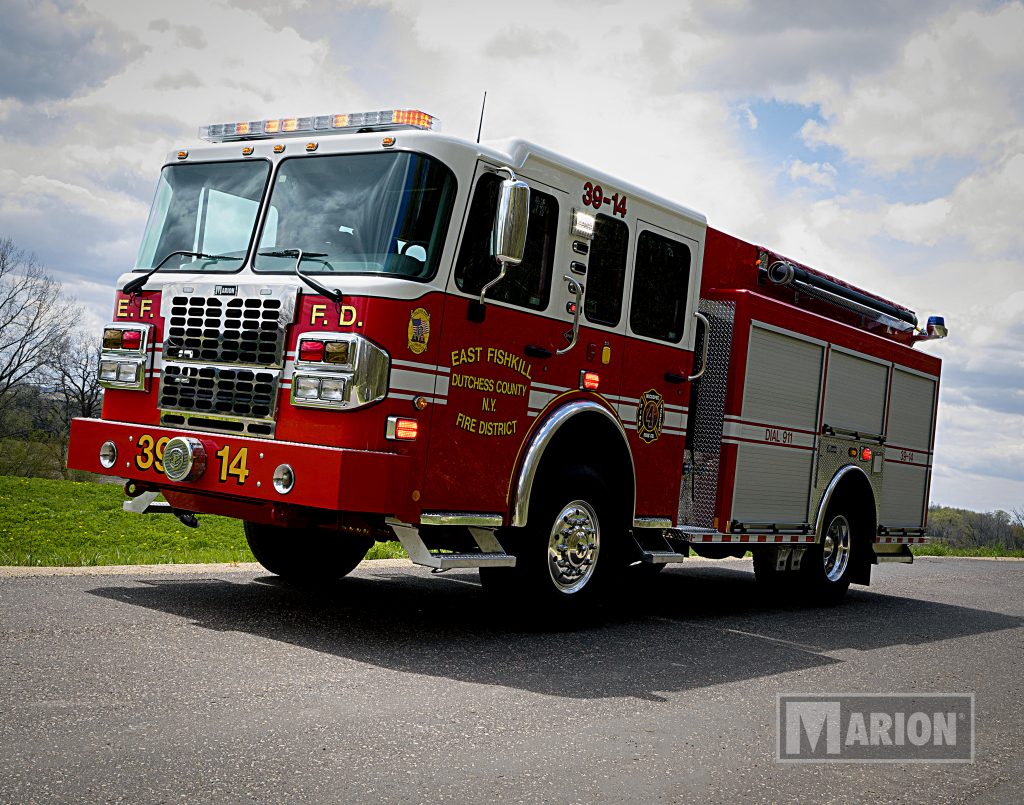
[
  {"x": 822, "y": 174},
  {"x": 955, "y": 91}
]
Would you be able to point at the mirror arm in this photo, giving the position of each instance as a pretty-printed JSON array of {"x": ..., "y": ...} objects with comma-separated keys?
[{"x": 493, "y": 282}]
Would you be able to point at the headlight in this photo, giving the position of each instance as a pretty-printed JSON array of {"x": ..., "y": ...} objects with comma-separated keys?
[
  {"x": 308, "y": 388},
  {"x": 108, "y": 370},
  {"x": 332, "y": 389},
  {"x": 339, "y": 371},
  {"x": 128, "y": 372}
]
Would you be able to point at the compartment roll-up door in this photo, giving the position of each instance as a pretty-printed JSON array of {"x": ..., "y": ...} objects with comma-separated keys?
[
  {"x": 908, "y": 450},
  {"x": 911, "y": 409},
  {"x": 783, "y": 380},
  {"x": 855, "y": 391}
]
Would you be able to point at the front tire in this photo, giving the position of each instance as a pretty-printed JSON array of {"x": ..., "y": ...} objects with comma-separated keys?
[
  {"x": 305, "y": 554},
  {"x": 566, "y": 554}
]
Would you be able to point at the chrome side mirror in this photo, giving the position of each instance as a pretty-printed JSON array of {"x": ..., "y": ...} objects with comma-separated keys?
[{"x": 508, "y": 237}]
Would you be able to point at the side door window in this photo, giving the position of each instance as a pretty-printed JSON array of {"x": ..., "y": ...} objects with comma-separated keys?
[
  {"x": 526, "y": 285},
  {"x": 606, "y": 271},
  {"x": 661, "y": 278}
]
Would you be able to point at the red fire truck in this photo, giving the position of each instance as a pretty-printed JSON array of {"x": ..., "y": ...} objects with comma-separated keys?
[{"x": 351, "y": 328}]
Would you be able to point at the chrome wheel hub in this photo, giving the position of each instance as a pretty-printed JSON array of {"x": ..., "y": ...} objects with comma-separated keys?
[
  {"x": 836, "y": 548},
  {"x": 573, "y": 546}
]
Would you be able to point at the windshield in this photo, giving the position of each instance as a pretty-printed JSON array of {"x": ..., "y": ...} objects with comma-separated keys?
[
  {"x": 358, "y": 214},
  {"x": 205, "y": 208}
]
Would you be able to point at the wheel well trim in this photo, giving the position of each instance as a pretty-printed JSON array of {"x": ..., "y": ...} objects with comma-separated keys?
[
  {"x": 848, "y": 471},
  {"x": 538, "y": 444}
]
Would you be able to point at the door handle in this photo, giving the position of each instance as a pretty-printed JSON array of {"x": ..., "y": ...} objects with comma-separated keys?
[
  {"x": 572, "y": 335},
  {"x": 672, "y": 377},
  {"x": 704, "y": 352},
  {"x": 533, "y": 351}
]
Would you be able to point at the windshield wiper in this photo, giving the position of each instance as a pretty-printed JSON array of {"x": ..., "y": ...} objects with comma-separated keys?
[
  {"x": 335, "y": 296},
  {"x": 137, "y": 284}
]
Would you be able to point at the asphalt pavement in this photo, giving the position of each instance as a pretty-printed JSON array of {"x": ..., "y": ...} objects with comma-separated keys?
[{"x": 222, "y": 684}]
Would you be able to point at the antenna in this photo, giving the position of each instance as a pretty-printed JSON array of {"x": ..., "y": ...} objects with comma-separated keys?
[{"x": 483, "y": 106}]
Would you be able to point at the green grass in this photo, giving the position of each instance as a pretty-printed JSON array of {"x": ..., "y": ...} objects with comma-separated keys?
[
  {"x": 944, "y": 549},
  {"x": 56, "y": 523}
]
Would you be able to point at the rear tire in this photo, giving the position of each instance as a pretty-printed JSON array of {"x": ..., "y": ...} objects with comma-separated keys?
[
  {"x": 828, "y": 567},
  {"x": 305, "y": 554},
  {"x": 568, "y": 554}
]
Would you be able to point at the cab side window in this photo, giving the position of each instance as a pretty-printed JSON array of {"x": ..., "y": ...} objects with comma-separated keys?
[
  {"x": 606, "y": 271},
  {"x": 661, "y": 278},
  {"x": 527, "y": 284}
]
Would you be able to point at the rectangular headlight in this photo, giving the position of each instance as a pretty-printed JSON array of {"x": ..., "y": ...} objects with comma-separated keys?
[
  {"x": 127, "y": 373},
  {"x": 108, "y": 370},
  {"x": 306, "y": 388},
  {"x": 332, "y": 389}
]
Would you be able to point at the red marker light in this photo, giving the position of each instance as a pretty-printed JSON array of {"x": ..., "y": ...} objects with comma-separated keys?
[
  {"x": 131, "y": 339},
  {"x": 311, "y": 351},
  {"x": 590, "y": 381},
  {"x": 865, "y": 454}
]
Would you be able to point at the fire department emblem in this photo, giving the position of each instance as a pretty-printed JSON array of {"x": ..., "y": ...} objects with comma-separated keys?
[
  {"x": 650, "y": 416},
  {"x": 419, "y": 331}
]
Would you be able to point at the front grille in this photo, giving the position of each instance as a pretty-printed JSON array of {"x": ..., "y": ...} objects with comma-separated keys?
[
  {"x": 219, "y": 390},
  {"x": 237, "y": 330}
]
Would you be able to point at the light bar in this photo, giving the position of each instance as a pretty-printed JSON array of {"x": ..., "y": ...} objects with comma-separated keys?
[{"x": 325, "y": 124}]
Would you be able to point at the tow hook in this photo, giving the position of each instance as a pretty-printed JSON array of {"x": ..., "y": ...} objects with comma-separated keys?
[{"x": 186, "y": 518}]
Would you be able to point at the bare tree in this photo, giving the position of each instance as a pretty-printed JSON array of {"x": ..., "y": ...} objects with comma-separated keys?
[
  {"x": 73, "y": 390},
  {"x": 35, "y": 317}
]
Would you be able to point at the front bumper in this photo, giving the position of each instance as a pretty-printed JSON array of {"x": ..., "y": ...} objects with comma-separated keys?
[{"x": 328, "y": 478}]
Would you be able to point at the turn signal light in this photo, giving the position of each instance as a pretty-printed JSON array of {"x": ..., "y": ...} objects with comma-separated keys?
[
  {"x": 402, "y": 429},
  {"x": 116, "y": 338}
]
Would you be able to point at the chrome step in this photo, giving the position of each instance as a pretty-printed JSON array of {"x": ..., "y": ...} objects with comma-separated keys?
[
  {"x": 492, "y": 554},
  {"x": 146, "y": 503},
  {"x": 444, "y": 561},
  {"x": 662, "y": 557}
]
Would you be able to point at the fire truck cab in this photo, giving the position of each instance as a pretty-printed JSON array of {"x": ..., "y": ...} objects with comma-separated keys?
[{"x": 351, "y": 328}]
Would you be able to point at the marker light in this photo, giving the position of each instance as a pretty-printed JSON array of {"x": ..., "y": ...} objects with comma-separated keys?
[
  {"x": 865, "y": 454},
  {"x": 383, "y": 120},
  {"x": 590, "y": 381},
  {"x": 401, "y": 429},
  {"x": 311, "y": 351}
]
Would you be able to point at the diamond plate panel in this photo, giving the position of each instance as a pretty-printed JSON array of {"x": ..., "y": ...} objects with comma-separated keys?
[
  {"x": 832, "y": 455},
  {"x": 704, "y": 435}
]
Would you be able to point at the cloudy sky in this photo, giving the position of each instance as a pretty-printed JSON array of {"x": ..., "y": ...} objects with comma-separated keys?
[{"x": 881, "y": 141}]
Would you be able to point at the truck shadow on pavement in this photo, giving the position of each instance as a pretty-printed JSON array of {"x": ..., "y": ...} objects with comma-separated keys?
[{"x": 688, "y": 629}]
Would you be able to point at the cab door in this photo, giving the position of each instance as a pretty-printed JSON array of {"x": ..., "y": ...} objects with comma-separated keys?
[
  {"x": 495, "y": 362},
  {"x": 659, "y": 360}
]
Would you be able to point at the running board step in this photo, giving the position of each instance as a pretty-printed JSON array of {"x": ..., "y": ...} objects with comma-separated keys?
[
  {"x": 491, "y": 553},
  {"x": 655, "y": 548},
  {"x": 662, "y": 557}
]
